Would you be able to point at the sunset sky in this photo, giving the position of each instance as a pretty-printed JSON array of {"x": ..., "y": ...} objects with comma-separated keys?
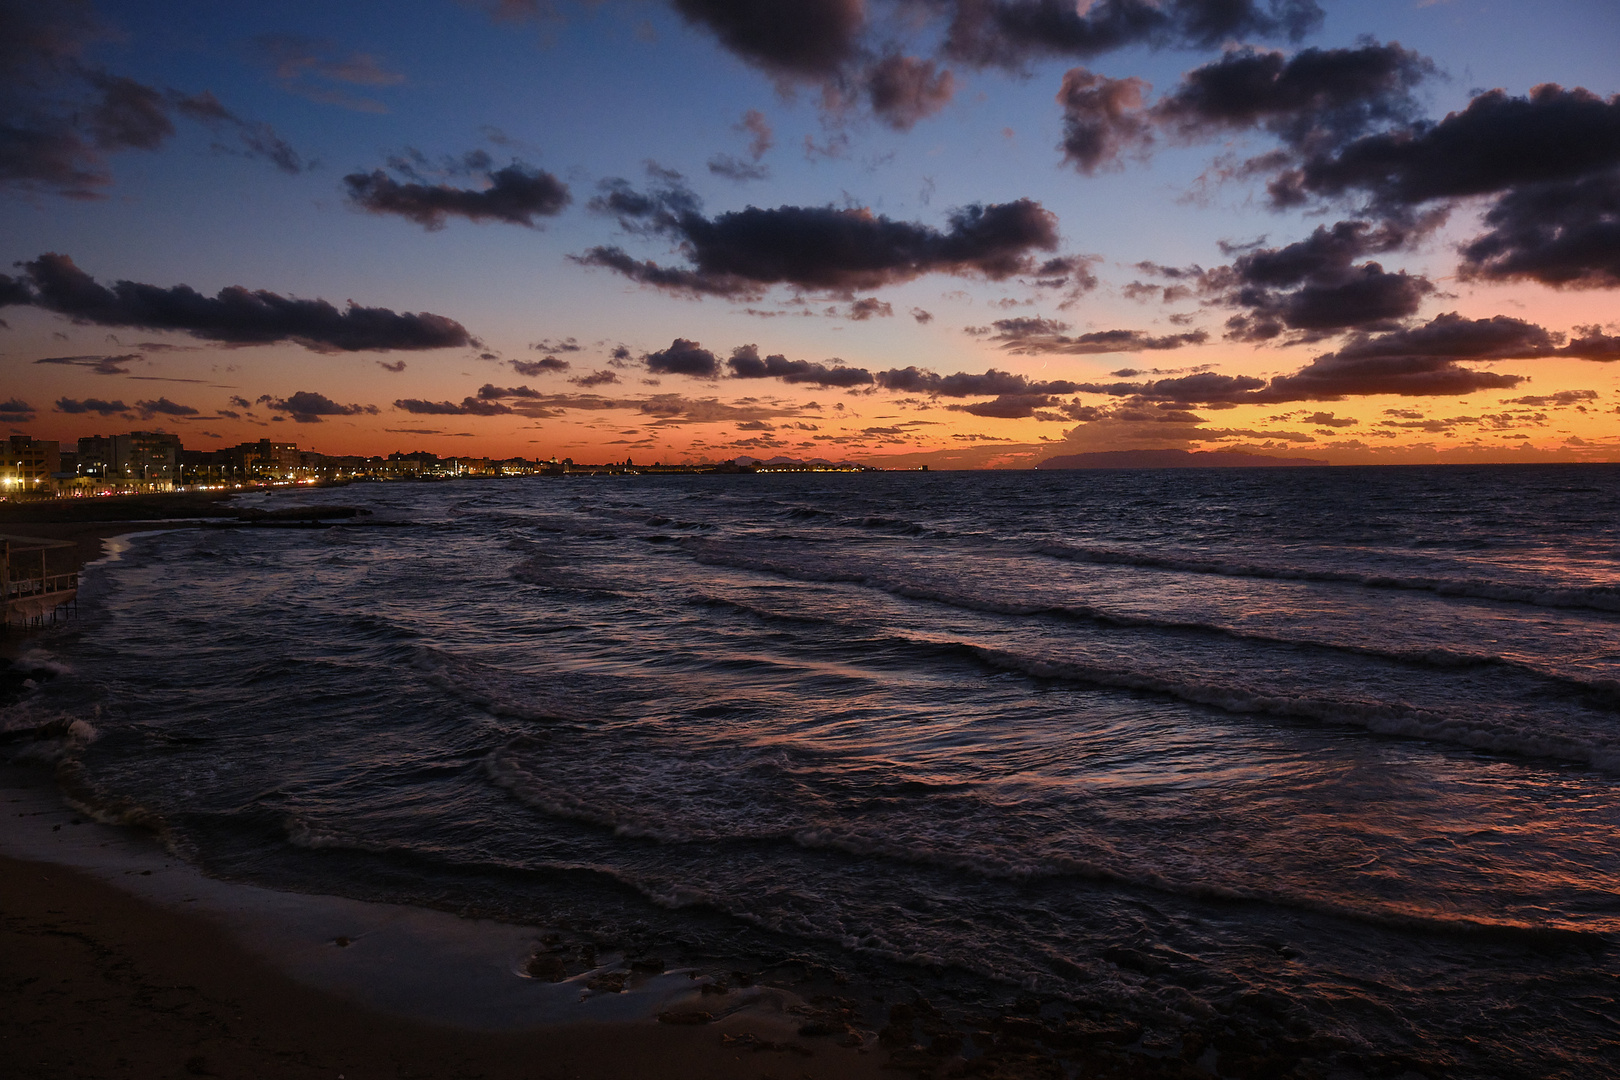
[{"x": 963, "y": 233}]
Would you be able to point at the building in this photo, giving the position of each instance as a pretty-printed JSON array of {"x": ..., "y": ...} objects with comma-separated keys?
[
  {"x": 26, "y": 465},
  {"x": 134, "y": 461},
  {"x": 95, "y": 456},
  {"x": 277, "y": 460},
  {"x": 262, "y": 460},
  {"x": 147, "y": 458}
]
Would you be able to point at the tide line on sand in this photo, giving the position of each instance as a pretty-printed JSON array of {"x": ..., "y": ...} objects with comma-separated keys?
[{"x": 150, "y": 963}]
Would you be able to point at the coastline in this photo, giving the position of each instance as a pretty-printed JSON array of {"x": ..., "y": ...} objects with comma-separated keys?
[
  {"x": 120, "y": 960},
  {"x": 91, "y": 522}
]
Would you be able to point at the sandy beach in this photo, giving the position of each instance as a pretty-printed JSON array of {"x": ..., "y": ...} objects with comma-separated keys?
[
  {"x": 171, "y": 974},
  {"x": 99, "y": 984}
]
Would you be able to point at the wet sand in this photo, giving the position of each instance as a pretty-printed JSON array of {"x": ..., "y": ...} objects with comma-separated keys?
[
  {"x": 194, "y": 977},
  {"x": 95, "y": 983}
]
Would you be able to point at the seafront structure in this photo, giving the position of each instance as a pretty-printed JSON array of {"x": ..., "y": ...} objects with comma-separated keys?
[
  {"x": 147, "y": 461},
  {"x": 28, "y": 465},
  {"x": 154, "y": 461},
  {"x": 38, "y": 578}
]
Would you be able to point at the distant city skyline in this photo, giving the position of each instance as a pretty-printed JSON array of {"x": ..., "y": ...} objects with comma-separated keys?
[{"x": 906, "y": 232}]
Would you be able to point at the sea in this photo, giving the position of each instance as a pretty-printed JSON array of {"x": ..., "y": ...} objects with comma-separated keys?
[{"x": 1235, "y": 772}]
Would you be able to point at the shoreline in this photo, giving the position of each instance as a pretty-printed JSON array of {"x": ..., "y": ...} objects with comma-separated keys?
[
  {"x": 121, "y": 960},
  {"x": 94, "y": 540}
]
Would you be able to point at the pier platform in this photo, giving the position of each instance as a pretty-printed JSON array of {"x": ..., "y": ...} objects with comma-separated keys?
[{"x": 38, "y": 579}]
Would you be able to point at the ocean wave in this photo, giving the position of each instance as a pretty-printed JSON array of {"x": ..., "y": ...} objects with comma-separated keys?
[
  {"x": 499, "y": 692},
  {"x": 1501, "y": 736},
  {"x": 1592, "y": 597},
  {"x": 1389, "y": 915},
  {"x": 554, "y": 571},
  {"x": 982, "y": 853},
  {"x": 1378, "y": 717},
  {"x": 1434, "y": 657}
]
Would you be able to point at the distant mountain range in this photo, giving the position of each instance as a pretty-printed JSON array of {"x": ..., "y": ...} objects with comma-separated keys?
[{"x": 1170, "y": 459}]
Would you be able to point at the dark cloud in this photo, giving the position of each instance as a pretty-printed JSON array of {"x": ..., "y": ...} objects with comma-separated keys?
[
  {"x": 516, "y": 194},
  {"x": 1364, "y": 296},
  {"x": 1313, "y": 287},
  {"x": 163, "y": 407},
  {"x": 966, "y": 384},
  {"x": 1008, "y": 406},
  {"x": 1593, "y": 344},
  {"x": 664, "y": 409},
  {"x": 1103, "y": 119},
  {"x": 1498, "y": 142},
  {"x": 396, "y": 367},
  {"x": 1396, "y": 364},
  {"x": 1327, "y": 378},
  {"x": 1071, "y": 271},
  {"x": 101, "y": 365},
  {"x": 671, "y": 279},
  {"x": 1317, "y": 97},
  {"x": 491, "y": 392},
  {"x": 547, "y": 345},
  {"x": 60, "y": 117},
  {"x": 1018, "y": 329},
  {"x": 741, "y": 252},
  {"x": 308, "y": 407},
  {"x": 1009, "y": 33},
  {"x": 1098, "y": 343},
  {"x": 470, "y": 406},
  {"x": 16, "y": 410},
  {"x": 56, "y": 124},
  {"x": 1551, "y": 158},
  {"x": 1421, "y": 361},
  {"x": 603, "y": 377},
  {"x": 904, "y": 90},
  {"x": 746, "y": 363},
  {"x": 127, "y": 114},
  {"x": 1327, "y": 419},
  {"x": 923, "y": 317},
  {"x": 532, "y": 368},
  {"x": 1562, "y": 397},
  {"x": 1202, "y": 388},
  {"x": 236, "y": 316},
  {"x": 89, "y": 405},
  {"x": 1560, "y": 234},
  {"x": 14, "y": 291},
  {"x": 867, "y": 307},
  {"x": 1453, "y": 337},
  {"x": 254, "y": 139},
  {"x": 736, "y": 169},
  {"x": 803, "y": 39},
  {"x": 684, "y": 358}
]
